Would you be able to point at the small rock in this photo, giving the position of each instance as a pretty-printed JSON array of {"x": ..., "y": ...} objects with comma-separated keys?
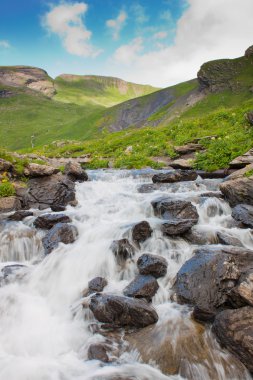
[
  {"x": 188, "y": 148},
  {"x": 97, "y": 284},
  {"x": 182, "y": 163},
  {"x": 47, "y": 221},
  {"x": 142, "y": 287},
  {"x": 243, "y": 213},
  {"x": 98, "y": 351},
  {"x": 5, "y": 166},
  {"x": 20, "y": 215},
  {"x": 141, "y": 232},
  {"x": 58, "y": 208},
  {"x": 177, "y": 226},
  {"x": 122, "y": 250},
  {"x": 227, "y": 239},
  {"x": 60, "y": 233},
  {"x": 154, "y": 265},
  {"x": 8, "y": 204},
  {"x": 175, "y": 209},
  {"x": 201, "y": 315},
  {"x": 175, "y": 176},
  {"x": 75, "y": 172},
  {"x": 36, "y": 170},
  {"x": 242, "y": 161},
  {"x": 120, "y": 311},
  {"x": 129, "y": 149}
]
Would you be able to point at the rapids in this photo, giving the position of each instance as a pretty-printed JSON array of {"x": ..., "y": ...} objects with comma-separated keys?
[{"x": 44, "y": 330}]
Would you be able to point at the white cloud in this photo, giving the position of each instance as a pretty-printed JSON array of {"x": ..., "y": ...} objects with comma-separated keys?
[
  {"x": 117, "y": 24},
  {"x": 139, "y": 13},
  {"x": 65, "y": 20},
  {"x": 207, "y": 30},
  {"x": 4, "y": 44},
  {"x": 160, "y": 35}
]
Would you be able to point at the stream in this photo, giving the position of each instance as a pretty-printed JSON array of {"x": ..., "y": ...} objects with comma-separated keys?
[{"x": 45, "y": 331}]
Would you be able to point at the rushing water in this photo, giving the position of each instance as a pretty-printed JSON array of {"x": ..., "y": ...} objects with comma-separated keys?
[{"x": 44, "y": 330}]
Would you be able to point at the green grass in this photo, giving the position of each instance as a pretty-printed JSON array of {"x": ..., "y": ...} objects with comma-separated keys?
[{"x": 6, "y": 189}]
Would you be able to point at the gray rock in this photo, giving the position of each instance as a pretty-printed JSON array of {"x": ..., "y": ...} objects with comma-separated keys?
[
  {"x": 8, "y": 204},
  {"x": 242, "y": 161},
  {"x": 75, "y": 172},
  {"x": 142, "y": 287},
  {"x": 98, "y": 351},
  {"x": 243, "y": 213},
  {"x": 5, "y": 166},
  {"x": 175, "y": 176},
  {"x": 122, "y": 250},
  {"x": 36, "y": 170},
  {"x": 227, "y": 239},
  {"x": 238, "y": 191},
  {"x": 177, "y": 226},
  {"x": 154, "y": 265},
  {"x": 141, "y": 232},
  {"x": 188, "y": 148},
  {"x": 119, "y": 311},
  {"x": 175, "y": 209},
  {"x": 60, "y": 233},
  {"x": 47, "y": 221},
  {"x": 97, "y": 284},
  {"x": 182, "y": 163},
  {"x": 20, "y": 215}
]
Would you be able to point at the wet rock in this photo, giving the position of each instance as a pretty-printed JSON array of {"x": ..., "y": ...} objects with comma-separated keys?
[
  {"x": 5, "y": 166},
  {"x": 36, "y": 170},
  {"x": 47, "y": 221},
  {"x": 177, "y": 226},
  {"x": 244, "y": 290},
  {"x": 249, "y": 117},
  {"x": 75, "y": 172},
  {"x": 119, "y": 311},
  {"x": 212, "y": 194},
  {"x": 243, "y": 213},
  {"x": 49, "y": 191},
  {"x": 242, "y": 161},
  {"x": 209, "y": 279},
  {"x": 154, "y": 265},
  {"x": 222, "y": 173},
  {"x": 9, "y": 270},
  {"x": 8, "y": 204},
  {"x": 20, "y": 215},
  {"x": 175, "y": 209},
  {"x": 201, "y": 315},
  {"x": 58, "y": 208},
  {"x": 188, "y": 148},
  {"x": 97, "y": 284},
  {"x": 60, "y": 233},
  {"x": 141, "y": 232},
  {"x": 227, "y": 239},
  {"x": 142, "y": 287},
  {"x": 175, "y": 176},
  {"x": 238, "y": 191},
  {"x": 98, "y": 351},
  {"x": 122, "y": 250},
  {"x": 234, "y": 330},
  {"x": 199, "y": 237}
]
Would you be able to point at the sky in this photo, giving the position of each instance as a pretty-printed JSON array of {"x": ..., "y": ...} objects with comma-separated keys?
[{"x": 157, "y": 42}]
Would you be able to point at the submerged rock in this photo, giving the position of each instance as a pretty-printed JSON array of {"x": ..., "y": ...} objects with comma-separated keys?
[
  {"x": 122, "y": 250},
  {"x": 175, "y": 176},
  {"x": 75, "y": 172},
  {"x": 234, "y": 330},
  {"x": 154, "y": 265},
  {"x": 177, "y": 226},
  {"x": 141, "y": 232},
  {"x": 97, "y": 284},
  {"x": 60, "y": 233},
  {"x": 98, "y": 351},
  {"x": 20, "y": 215},
  {"x": 142, "y": 287},
  {"x": 47, "y": 221},
  {"x": 243, "y": 213},
  {"x": 119, "y": 311}
]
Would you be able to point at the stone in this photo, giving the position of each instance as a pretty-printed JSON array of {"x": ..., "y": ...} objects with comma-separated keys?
[
  {"x": 177, "y": 226},
  {"x": 175, "y": 176},
  {"x": 141, "y": 232},
  {"x": 188, "y": 148},
  {"x": 244, "y": 290},
  {"x": 227, "y": 239},
  {"x": 5, "y": 166},
  {"x": 36, "y": 170},
  {"x": 123, "y": 250},
  {"x": 97, "y": 284},
  {"x": 60, "y": 233},
  {"x": 8, "y": 204},
  {"x": 182, "y": 163},
  {"x": 201, "y": 315},
  {"x": 98, "y": 351},
  {"x": 243, "y": 213},
  {"x": 238, "y": 191},
  {"x": 75, "y": 172},
  {"x": 9, "y": 270},
  {"x": 49, "y": 191},
  {"x": 242, "y": 161},
  {"x": 58, "y": 208},
  {"x": 249, "y": 52},
  {"x": 198, "y": 237},
  {"x": 20, "y": 215},
  {"x": 234, "y": 330},
  {"x": 154, "y": 265},
  {"x": 142, "y": 286},
  {"x": 47, "y": 221},
  {"x": 120, "y": 311},
  {"x": 209, "y": 279},
  {"x": 249, "y": 117},
  {"x": 174, "y": 209}
]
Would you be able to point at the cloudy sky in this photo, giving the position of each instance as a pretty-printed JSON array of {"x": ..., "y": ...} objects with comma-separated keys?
[{"x": 159, "y": 42}]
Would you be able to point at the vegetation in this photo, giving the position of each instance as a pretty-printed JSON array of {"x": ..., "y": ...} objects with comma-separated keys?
[{"x": 6, "y": 189}]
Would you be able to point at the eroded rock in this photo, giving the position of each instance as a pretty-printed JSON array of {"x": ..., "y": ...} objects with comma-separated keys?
[{"x": 177, "y": 226}]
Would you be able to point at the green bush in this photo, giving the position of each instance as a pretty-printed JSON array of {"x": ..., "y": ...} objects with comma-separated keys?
[{"x": 7, "y": 189}]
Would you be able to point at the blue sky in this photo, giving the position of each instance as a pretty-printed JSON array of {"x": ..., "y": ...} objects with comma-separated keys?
[{"x": 160, "y": 42}]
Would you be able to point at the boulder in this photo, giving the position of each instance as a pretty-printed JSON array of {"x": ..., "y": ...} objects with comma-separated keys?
[
  {"x": 201, "y": 315},
  {"x": 244, "y": 214},
  {"x": 120, "y": 311},
  {"x": 141, "y": 232},
  {"x": 209, "y": 279},
  {"x": 188, "y": 148},
  {"x": 36, "y": 170},
  {"x": 249, "y": 117},
  {"x": 175, "y": 176},
  {"x": 238, "y": 191},
  {"x": 177, "y": 226},
  {"x": 234, "y": 330},
  {"x": 8, "y": 204},
  {"x": 5, "y": 166},
  {"x": 123, "y": 250},
  {"x": 142, "y": 287},
  {"x": 227, "y": 239},
  {"x": 20, "y": 215},
  {"x": 242, "y": 161},
  {"x": 182, "y": 163},
  {"x": 60, "y": 233},
  {"x": 47, "y": 221},
  {"x": 154, "y": 265},
  {"x": 244, "y": 290},
  {"x": 49, "y": 191},
  {"x": 75, "y": 172},
  {"x": 175, "y": 209},
  {"x": 98, "y": 351},
  {"x": 97, "y": 284}
]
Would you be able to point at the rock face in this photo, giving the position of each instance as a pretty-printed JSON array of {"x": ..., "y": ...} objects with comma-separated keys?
[
  {"x": 234, "y": 330},
  {"x": 142, "y": 287},
  {"x": 175, "y": 176},
  {"x": 97, "y": 284},
  {"x": 60, "y": 233},
  {"x": 242, "y": 161},
  {"x": 49, "y": 191},
  {"x": 121, "y": 311},
  {"x": 122, "y": 250},
  {"x": 177, "y": 226},
  {"x": 238, "y": 191},
  {"x": 154, "y": 265},
  {"x": 20, "y": 215},
  {"x": 47, "y": 221},
  {"x": 75, "y": 172},
  {"x": 36, "y": 170},
  {"x": 175, "y": 209},
  {"x": 210, "y": 278},
  {"x": 8, "y": 204},
  {"x": 141, "y": 232},
  {"x": 243, "y": 213}
]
